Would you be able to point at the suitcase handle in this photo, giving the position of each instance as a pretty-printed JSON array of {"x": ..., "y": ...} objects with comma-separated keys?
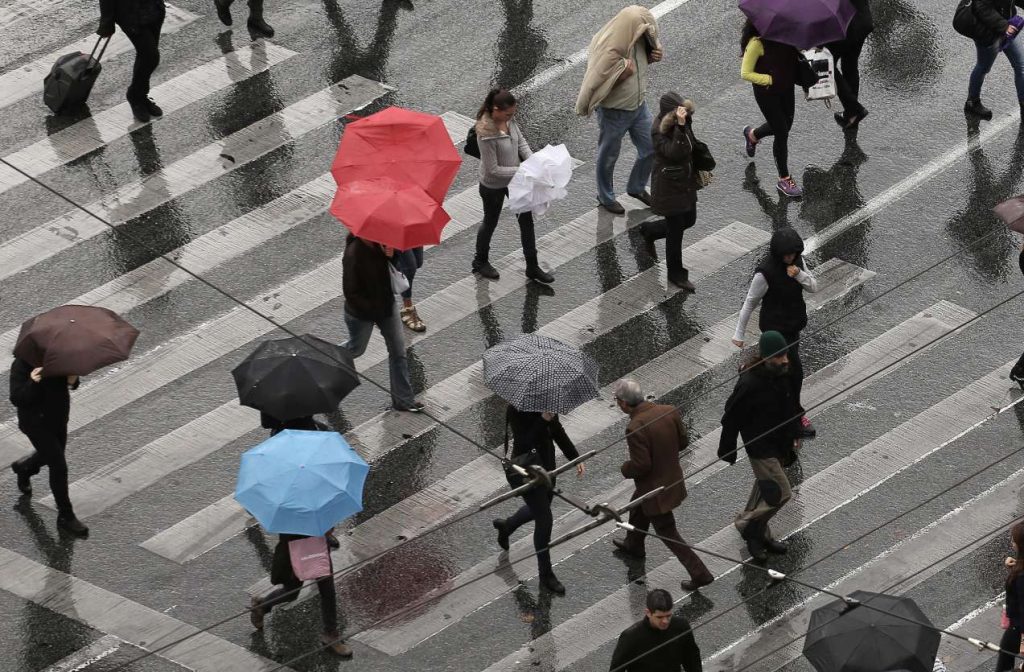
[{"x": 96, "y": 46}]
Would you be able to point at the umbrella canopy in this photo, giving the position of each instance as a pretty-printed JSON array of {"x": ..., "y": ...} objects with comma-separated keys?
[
  {"x": 537, "y": 373},
  {"x": 405, "y": 145},
  {"x": 295, "y": 377},
  {"x": 301, "y": 482},
  {"x": 1011, "y": 211},
  {"x": 75, "y": 340},
  {"x": 393, "y": 213},
  {"x": 841, "y": 638},
  {"x": 540, "y": 180},
  {"x": 800, "y": 23}
]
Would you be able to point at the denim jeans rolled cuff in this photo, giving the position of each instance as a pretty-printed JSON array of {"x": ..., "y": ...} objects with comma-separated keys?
[
  {"x": 613, "y": 127},
  {"x": 359, "y": 332},
  {"x": 986, "y": 54}
]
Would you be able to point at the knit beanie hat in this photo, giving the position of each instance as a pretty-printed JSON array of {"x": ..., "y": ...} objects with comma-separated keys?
[{"x": 772, "y": 344}]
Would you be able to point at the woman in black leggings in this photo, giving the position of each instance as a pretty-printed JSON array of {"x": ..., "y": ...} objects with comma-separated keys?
[
  {"x": 1011, "y": 640},
  {"x": 771, "y": 68}
]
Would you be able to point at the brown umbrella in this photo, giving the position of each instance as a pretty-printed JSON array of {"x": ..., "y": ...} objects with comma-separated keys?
[
  {"x": 75, "y": 340},
  {"x": 1011, "y": 211}
]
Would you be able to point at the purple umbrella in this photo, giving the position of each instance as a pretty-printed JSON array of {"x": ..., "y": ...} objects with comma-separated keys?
[{"x": 800, "y": 23}]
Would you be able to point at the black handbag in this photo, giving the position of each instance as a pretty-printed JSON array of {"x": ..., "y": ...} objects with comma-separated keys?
[
  {"x": 531, "y": 457},
  {"x": 703, "y": 163},
  {"x": 471, "y": 147},
  {"x": 965, "y": 21},
  {"x": 806, "y": 77}
]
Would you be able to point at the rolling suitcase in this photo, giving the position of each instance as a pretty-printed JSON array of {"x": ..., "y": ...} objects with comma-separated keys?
[{"x": 71, "y": 79}]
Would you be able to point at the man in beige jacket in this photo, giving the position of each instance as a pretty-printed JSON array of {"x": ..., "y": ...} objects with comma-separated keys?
[{"x": 615, "y": 86}]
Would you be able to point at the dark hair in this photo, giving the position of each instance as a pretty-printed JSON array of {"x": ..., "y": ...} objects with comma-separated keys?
[
  {"x": 659, "y": 599},
  {"x": 496, "y": 98},
  {"x": 748, "y": 31},
  {"x": 1017, "y": 535}
]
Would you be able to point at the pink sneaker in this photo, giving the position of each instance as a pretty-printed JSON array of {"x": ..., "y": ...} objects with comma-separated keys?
[
  {"x": 789, "y": 188},
  {"x": 807, "y": 430}
]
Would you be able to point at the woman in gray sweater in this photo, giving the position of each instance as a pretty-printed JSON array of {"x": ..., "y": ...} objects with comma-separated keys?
[{"x": 502, "y": 149}]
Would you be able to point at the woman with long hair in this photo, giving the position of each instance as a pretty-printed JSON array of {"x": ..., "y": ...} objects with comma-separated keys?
[{"x": 1011, "y": 640}]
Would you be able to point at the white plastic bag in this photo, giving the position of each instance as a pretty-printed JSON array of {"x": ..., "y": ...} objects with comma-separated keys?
[
  {"x": 821, "y": 62},
  {"x": 540, "y": 180}
]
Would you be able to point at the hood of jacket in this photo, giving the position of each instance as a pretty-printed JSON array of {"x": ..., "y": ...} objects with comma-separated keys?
[
  {"x": 786, "y": 241},
  {"x": 486, "y": 127},
  {"x": 608, "y": 51}
]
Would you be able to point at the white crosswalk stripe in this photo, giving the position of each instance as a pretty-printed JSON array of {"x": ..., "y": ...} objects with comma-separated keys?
[
  {"x": 95, "y": 131},
  {"x": 86, "y": 656},
  {"x": 27, "y": 79}
]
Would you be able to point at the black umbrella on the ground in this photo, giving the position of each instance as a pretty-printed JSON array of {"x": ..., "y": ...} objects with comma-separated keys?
[
  {"x": 890, "y": 634},
  {"x": 295, "y": 377}
]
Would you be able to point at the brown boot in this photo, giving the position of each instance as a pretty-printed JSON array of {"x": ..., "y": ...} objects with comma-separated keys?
[{"x": 336, "y": 645}]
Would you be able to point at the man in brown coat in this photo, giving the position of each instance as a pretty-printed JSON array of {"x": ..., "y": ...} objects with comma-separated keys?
[{"x": 655, "y": 437}]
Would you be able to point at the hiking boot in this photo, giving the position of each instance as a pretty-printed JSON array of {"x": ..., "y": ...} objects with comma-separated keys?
[
  {"x": 551, "y": 582},
  {"x": 24, "y": 480},
  {"x": 535, "y": 272},
  {"x": 256, "y": 613},
  {"x": 485, "y": 270},
  {"x": 974, "y": 107},
  {"x": 614, "y": 207},
  {"x": 154, "y": 109},
  {"x": 696, "y": 584},
  {"x": 69, "y": 523},
  {"x": 644, "y": 197},
  {"x": 503, "y": 533},
  {"x": 775, "y": 546},
  {"x": 788, "y": 187},
  {"x": 807, "y": 430},
  {"x": 140, "y": 110},
  {"x": 749, "y": 146},
  {"x": 336, "y": 645},
  {"x": 223, "y": 11},
  {"x": 621, "y": 547}
]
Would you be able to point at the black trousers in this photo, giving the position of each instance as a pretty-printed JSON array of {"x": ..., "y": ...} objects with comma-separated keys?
[
  {"x": 1010, "y": 641},
  {"x": 288, "y": 592},
  {"x": 671, "y": 229},
  {"x": 847, "y": 71},
  {"x": 796, "y": 367},
  {"x": 50, "y": 445},
  {"x": 778, "y": 110},
  {"x": 146, "y": 40},
  {"x": 537, "y": 508},
  {"x": 493, "y": 199}
]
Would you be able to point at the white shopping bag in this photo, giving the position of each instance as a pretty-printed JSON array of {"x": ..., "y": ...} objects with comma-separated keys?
[
  {"x": 822, "y": 63},
  {"x": 540, "y": 180}
]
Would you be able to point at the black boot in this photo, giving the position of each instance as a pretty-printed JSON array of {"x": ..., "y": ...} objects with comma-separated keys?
[
  {"x": 974, "y": 107},
  {"x": 69, "y": 523},
  {"x": 223, "y": 11},
  {"x": 535, "y": 272},
  {"x": 140, "y": 110},
  {"x": 503, "y": 533},
  {"x": 24, "y": 480},
  {"x": 484, "y": 269},
  {"x": 550, "y": 581},
  {"x": 256, "y": 23}
]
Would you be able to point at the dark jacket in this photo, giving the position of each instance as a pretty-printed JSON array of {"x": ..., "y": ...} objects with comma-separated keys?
[
  {"x": 673, "y": 179},
  {"x": 991, "y": 16},
  {"x": 1015, "y": 601},
  {"x": 531, "y": 431},
  {"x": 130, "y": 14},
  {"x": 779, "y": 61},
  {"x": 680, "y": 651},
  {"x": 655, "y": 437},
  {"x": 782, "y": 308},
  {"x": 42, "y": 405},
  {"x": 366, "y": 280},
  {"x": 863, "y": 23},
  {"x": 763, "y": 411},
  {"x": 276, "y": 426}
]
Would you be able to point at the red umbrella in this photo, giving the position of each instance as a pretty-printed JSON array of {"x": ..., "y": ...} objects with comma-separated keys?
[
  {"x": 390, "y": 212},
  {"x": 402, "y": 144},
  {"x": 75, "y": 340}
]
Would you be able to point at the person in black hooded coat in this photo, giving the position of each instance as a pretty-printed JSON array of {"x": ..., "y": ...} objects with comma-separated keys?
[
  {"x": 778, "y": 285},
  {"x": 141, "y": 21}
]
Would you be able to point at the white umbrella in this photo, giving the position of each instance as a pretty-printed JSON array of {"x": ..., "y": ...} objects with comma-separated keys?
[{"x": 540, "y": 180}]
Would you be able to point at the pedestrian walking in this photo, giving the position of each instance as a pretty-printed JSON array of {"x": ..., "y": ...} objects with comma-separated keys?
[
  {"x": 771, "y": 68},
  {"x": 1017, "y": 372},
  {"x": 409, "y": 261},
  {"x": 282, "y": 574},
  {"x": 502, "y": 148},
  {"x": 995, "y": 24},
  {"x": 1014, "y": 605},
  {"x": 256, "y": 22},
  {"x": 369, "y": 301},
  {"x": 673, "y": 183},
  {"x": 661, "y": 641},
  {"x": 847, "y": 69},
  {"x": 778, "y": 286},
  {"x": 539, "y": 432},
  {"x": 763, "y": 410},
  {"x": 44, "y": 408},
  {"x": 141, "y": 21},
  {"x": 655, "y": 437},
  {"x": 615, "y": 88}
]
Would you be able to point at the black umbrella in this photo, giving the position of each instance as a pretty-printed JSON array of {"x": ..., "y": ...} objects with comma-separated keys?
[
  {"x": 295, "y": 377},
  {"x": 855, "y": 638}
]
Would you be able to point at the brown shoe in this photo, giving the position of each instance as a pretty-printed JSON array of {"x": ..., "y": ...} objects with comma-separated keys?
[
  {"x": 336, "y": 645},
  {"x": 690, "y": 586},
  {"x": 256, "y": 613}
]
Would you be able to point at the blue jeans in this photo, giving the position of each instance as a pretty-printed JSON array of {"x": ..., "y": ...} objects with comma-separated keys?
[
  {"x": 614, "y": 124},
  {"x": 987, "y": 53},
  {"x": 408, "y": 262},
  {"x": 359, "y": 332}
]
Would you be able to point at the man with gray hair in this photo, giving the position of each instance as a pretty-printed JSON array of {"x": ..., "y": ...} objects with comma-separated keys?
[{"x": 655, "y": 437}]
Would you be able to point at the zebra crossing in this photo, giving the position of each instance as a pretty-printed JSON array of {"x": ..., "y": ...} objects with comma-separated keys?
[{"x": 207, "y": 530}]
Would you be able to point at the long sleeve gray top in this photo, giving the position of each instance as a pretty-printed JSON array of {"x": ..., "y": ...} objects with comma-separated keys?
[{"x": 500, "y": 153}]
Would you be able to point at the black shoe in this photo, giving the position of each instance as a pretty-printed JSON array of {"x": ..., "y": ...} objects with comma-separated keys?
[
  {"x": 683, "y": 283},
  {"x": 757, "y": 548},
  {"x": 974, "y": 107},
  {"x": 551, "y": 582},
  {"x": 485, "y": 270},
  {"x": 24, "y": 480},
  {"x": 154, "y": 109},
  {"x": 140, "y": 110},
  {"x": 73, "y": 525},
  {"x": 223, "y": 11},
  {"x": 649, "y": 240},
  {"x": 332, "y": 540},
  {"x": 417, "y": 407},
  {"x": 503, "y": 534},
  {"x": 644, "y": 197},
  {"x": 690, "y": 586},
  {"x": 258, "y": 25},
  {"x": 775, "y": 546},
  {"x": 534, "y": 272},
  {"x": 1016, "y": 376},
  {"x": 614, "y": 207},
  {"x": 256, "y": 613},
  {"x": 621, "y": 547}
]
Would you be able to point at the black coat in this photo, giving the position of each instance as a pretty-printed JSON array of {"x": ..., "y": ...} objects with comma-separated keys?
[
  {"x": 1015, "y": 601},
  {"x": 681, "y": 653},
  {"x": 276, "y": 426},
  {"x": 673, "y": 178},
  {"x": 531, "y": 431},
  {"x": 763, "y": 411},
  {"x": 42, "y": 405},
  {"x": 130, "y": 14},
  {"x": 991, "y": 16},
  {"x": 366, "y": 280}
]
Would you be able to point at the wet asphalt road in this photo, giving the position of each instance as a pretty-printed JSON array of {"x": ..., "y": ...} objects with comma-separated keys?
[{"x": 443, "y": 55}]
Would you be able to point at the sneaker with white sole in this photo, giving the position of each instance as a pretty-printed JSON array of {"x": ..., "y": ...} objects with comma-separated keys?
[{"x": 788, "y": 187}]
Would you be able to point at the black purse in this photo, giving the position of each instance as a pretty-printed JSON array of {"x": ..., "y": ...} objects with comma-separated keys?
[
  {"x": 514, "y": 478},
  {"x": 806, "y": 77},
  {"x": 703, "y": 163},
  {"x": 471, "y": 147},
  {"x": 965, "y": 21}
]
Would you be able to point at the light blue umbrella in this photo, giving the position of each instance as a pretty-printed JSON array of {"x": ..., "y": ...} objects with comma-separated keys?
[{"x": 301, "y": 482}]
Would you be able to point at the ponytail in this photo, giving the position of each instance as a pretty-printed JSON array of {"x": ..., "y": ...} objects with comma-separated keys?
[
  {"x": 500, "y": 98},
  {"x": 748, "y": 32}
]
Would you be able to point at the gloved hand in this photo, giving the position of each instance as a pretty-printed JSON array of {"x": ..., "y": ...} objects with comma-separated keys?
[{"x": 105, "y": 29}]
